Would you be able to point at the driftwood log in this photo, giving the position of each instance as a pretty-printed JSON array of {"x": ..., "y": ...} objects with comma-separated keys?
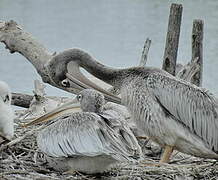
[
  {"x": 22, "y": 100},
  {"x": 17, "y": 40}
]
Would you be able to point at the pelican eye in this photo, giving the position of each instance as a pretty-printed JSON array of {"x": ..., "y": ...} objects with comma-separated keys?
[
  {"x": 6, "y": 98},
  {"x": 79, "y": 97},
  {"x": 65, "y": 83}
]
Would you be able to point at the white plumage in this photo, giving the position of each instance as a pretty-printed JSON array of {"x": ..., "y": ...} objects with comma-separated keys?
[{"x": 6, "y": 112}]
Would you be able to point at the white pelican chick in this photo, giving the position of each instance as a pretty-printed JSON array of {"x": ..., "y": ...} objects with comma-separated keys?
[
  {"x": 89, "y": 141},
  {"x": 6, "y": 112}
]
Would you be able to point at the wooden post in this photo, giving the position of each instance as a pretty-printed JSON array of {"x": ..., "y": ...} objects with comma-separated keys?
[
  {"x": 145, "y": 52},
  {"x": 197, "y": 49},
  {"x": 172, "y": 39}
]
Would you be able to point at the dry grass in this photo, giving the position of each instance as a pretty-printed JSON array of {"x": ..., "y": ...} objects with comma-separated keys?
[{"x": 21, "y": 160}]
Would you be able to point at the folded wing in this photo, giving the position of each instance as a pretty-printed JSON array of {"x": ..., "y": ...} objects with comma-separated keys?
[{"x": 194, "y": 107}]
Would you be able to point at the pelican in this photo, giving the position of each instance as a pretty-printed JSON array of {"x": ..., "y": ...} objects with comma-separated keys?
[
  {"x": 172, "y": 112},
  {"x": 89, "y": 141},
  {"x": 6, "y": 113}
]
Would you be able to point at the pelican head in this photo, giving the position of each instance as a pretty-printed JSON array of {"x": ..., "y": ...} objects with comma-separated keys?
[
  {"x": 91, "y": 100},
  {"x": 6, "y": 112},
  {"x": 5, "y": 93},
  {"x": 58, "y": 71}
]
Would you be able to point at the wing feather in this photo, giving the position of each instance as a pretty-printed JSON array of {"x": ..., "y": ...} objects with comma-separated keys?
[
  {"x": 116, "y": 120},
  {"x": 192, "y": 106},
  {"x": 81, "y": 134}
]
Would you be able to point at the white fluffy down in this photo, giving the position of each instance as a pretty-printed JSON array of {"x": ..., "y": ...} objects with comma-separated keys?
[{"x": 6, "y": 112}]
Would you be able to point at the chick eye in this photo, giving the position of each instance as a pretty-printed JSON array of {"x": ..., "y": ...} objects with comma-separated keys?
[
  {"x": 79, "y": 97},
  {"x": 6, "y": 98}
]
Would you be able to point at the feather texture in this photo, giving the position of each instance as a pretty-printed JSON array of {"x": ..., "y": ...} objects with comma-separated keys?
[
  {"x": 82, "y": 134},
  {"x": 194, "y": 107}
]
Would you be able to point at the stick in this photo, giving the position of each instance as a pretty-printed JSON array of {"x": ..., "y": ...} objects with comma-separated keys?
[
  {"x": 17, "y": 140},
  {"x": 197, "y": 49},
  {"x": 172, "y": 39},
  {"x": 145, "y": 52}
]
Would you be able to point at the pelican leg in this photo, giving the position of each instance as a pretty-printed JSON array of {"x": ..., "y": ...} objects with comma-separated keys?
[{"x": 168, "y": 150}]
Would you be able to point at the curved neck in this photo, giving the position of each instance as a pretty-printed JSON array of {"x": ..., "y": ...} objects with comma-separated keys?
[{"x": 79, "y": 58}]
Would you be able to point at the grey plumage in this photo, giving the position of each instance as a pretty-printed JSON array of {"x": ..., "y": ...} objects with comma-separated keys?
[
  {"x": 172, "y": 112},
  {"x": 100, "y": 137}
]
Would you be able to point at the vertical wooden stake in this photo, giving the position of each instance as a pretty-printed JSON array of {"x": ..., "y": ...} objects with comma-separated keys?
[
  {"x": 197, "y": 49},
  {"x": 145, "y": 52},
  {"x": 172, "y": 39}
]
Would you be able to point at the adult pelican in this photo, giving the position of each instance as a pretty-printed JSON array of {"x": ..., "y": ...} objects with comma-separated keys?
[
  {"x": 89, "y": 141},
  {"x": 172, "y": 112},
  {"x": 6, "y": 113}
]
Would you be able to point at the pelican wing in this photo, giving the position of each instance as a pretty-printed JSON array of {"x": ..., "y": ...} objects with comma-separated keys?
[
  {"x": 194, "y": 107},
  {"x": 116, "y": 120},
  {"x": 81, "y": 134}
]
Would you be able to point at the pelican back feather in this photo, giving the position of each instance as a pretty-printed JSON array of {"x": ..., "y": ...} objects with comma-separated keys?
[
  {"x": 81, "y": 134},
  {"x": 193, "y": 107}
]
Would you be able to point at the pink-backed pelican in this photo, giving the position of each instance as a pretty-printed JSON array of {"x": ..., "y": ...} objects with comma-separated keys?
[
  {"x": 89, "y": 141},
  {"x": 172, "y": 112}
]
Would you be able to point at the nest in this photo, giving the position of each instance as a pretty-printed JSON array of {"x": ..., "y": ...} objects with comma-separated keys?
[{"x": 21, "y": 160}]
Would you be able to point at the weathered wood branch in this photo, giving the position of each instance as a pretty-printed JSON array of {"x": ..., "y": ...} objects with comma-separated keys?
[
  {"x": 172, "y": 39},
  {"x": 17, "y": 40},
  {"x": 21, "y": 100},
  {"x": 197, "y": 49},
  {"x": 24, "y": 100}
]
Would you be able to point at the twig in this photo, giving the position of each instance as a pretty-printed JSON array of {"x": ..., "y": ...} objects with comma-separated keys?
[
  {"x": 17, "y": 140},
  {"x": 13, "y": 172}
]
